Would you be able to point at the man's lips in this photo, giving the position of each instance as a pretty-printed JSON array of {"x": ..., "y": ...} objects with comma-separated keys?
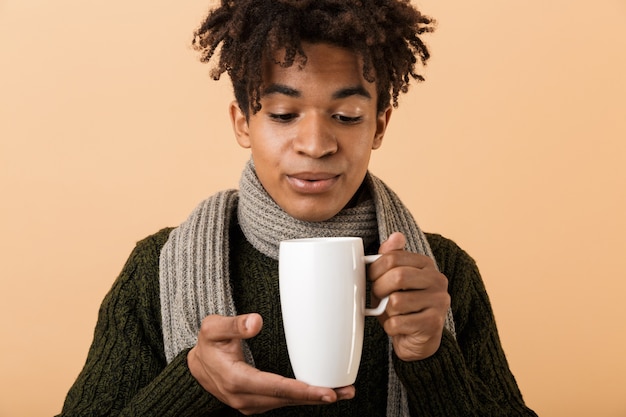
[{"x": 312, "y": 182}]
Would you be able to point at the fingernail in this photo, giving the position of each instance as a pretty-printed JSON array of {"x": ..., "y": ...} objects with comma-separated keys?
[{"x": 327, "y": 399}]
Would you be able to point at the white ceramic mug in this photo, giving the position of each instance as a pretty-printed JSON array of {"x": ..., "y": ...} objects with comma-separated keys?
[{"x": 322, "y": 293}]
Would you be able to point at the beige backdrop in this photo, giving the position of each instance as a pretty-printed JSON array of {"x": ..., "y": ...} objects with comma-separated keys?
[{"x": 515, "y": 147}]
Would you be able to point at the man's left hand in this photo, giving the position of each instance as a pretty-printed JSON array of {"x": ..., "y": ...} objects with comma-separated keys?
[{"x": 418, "y": 299}]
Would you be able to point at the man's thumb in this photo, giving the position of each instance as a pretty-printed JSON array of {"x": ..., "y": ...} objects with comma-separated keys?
[
  {"x": 395, "y": 241},
  {"x": 249, "y": 325}
]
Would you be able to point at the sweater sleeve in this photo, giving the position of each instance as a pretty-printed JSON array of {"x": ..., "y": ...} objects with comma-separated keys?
[
  {"x": 469, "y": 375},
  {"x": 125, "y": 373}
]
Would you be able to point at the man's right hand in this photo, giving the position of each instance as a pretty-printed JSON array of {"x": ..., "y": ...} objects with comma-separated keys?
[{"x": 217, "y": 362}]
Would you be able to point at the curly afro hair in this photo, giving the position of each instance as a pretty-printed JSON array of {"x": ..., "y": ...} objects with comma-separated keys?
[{"x": 385, "y": 33}]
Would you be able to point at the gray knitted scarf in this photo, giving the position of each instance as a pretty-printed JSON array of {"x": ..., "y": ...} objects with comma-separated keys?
[{"x": 194, "y": 263}]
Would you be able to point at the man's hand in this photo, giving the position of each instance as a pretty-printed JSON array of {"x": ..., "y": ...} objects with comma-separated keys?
[
  {"x": 418, "y": 299},
  {"x": 217, "y": 362}
]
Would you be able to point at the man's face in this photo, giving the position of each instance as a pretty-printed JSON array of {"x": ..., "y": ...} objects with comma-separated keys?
[{"x": 312, "y": 139}]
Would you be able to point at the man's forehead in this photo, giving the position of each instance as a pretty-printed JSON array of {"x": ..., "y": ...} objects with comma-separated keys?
[
  {"x": 336, "y": 72},
  {"x": 338, "y": 94},
  {"x": 313, "y": 57},
  {"x": 299, "y": 55}
]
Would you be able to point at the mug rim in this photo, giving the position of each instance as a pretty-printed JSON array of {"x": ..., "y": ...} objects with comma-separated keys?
[{"x": 329, "y": 239}]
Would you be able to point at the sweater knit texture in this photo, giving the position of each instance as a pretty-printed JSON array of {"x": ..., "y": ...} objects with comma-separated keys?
[{"x": 126, "y": 372}]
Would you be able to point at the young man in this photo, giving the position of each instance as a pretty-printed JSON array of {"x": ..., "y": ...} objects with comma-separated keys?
[{"x": 192, "y": 327}]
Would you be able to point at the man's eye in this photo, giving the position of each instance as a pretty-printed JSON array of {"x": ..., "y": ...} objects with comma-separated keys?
[
  {"x": 282, "y": 117},
  {"x": 347, "y": 119}
]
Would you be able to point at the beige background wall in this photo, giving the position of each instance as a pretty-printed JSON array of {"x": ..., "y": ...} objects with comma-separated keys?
[{"x": 515, "y": 147}]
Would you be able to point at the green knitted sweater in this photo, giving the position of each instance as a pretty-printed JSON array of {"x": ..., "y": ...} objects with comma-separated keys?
[{"x": 126, "y": 372}]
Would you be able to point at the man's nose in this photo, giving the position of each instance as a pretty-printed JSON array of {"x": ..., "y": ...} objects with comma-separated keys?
[{"x": 315, "y": 137}]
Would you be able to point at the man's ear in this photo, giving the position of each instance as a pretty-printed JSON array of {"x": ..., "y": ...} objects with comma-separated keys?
[
  {"x": 240, "y": 125},
  {"x": 382, "y": 121}
]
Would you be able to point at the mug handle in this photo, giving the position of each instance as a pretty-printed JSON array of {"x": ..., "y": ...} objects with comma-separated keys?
[{"x": 383, "y": 303}]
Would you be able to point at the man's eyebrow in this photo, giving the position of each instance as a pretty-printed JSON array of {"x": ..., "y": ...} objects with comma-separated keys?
[
  {"x": 352, "y": 91},
  {"x": 337, "y": 95},
  {"x": 281, "y": 89}
]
